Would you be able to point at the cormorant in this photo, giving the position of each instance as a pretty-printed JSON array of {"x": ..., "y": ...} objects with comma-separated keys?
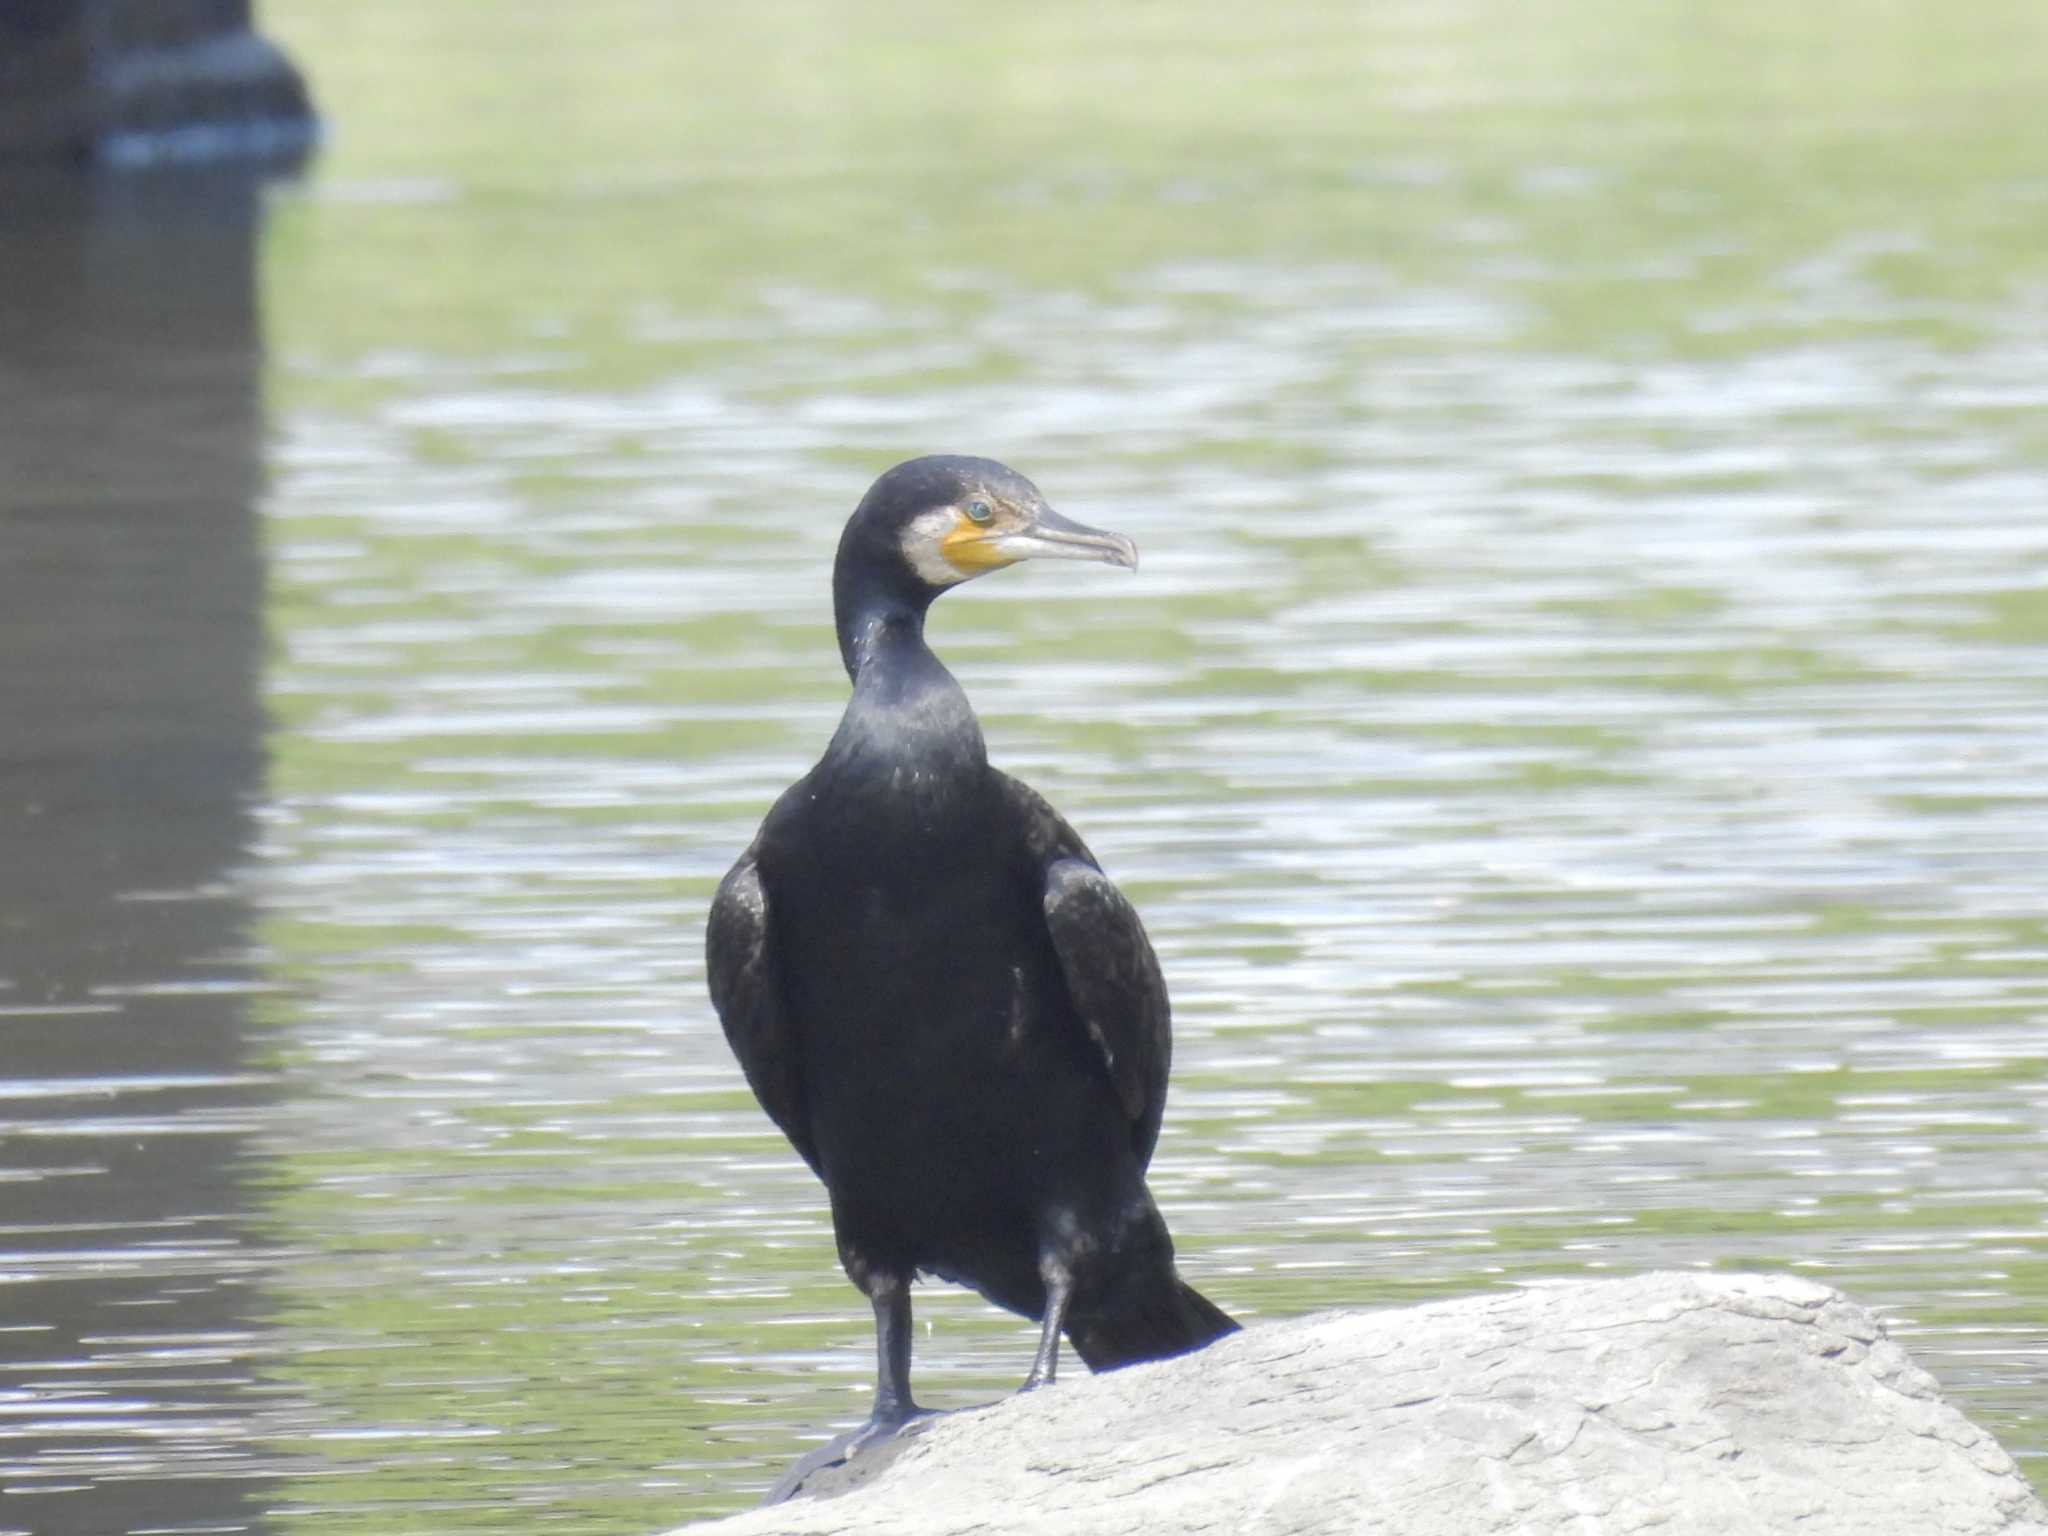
[{"x": 934, "y": 990}]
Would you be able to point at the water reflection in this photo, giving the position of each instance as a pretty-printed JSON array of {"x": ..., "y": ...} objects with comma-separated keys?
[{"x": 131, "y": 627}]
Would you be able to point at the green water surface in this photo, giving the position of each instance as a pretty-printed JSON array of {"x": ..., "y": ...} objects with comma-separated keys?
[{"x": 1579, "y": 736}]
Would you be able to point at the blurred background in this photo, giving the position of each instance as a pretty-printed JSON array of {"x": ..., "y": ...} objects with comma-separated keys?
[{"x": 1579, "y": 738}]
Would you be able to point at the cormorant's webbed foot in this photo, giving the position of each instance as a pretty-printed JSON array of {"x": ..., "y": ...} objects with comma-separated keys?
[{"x": 864, "y": 1440}]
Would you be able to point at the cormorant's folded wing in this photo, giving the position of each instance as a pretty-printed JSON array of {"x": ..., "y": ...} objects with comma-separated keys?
[
  {"x": 739, "y": 957},
  {"x": 1111, "y": 973}
]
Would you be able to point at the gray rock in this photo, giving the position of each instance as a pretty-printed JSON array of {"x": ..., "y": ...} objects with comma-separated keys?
[{"x": 1671, "y": 1403}]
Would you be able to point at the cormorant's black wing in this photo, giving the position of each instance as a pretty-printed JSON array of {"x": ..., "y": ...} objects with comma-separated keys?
[
  {"x": 1111, "y": 972},
  {"x": 739, "y": 960}
]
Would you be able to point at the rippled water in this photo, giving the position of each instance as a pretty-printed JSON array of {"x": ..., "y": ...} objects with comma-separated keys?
[{"x": 1577, "y": 737}]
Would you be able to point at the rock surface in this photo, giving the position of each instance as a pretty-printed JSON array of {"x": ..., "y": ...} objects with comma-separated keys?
[{"x": 1670, "y": 1403}]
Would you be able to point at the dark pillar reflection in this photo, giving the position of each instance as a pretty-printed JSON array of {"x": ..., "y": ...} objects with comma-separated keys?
[
  {"x": 140, "y": 82},
  {"x": 131, "y": 751}
]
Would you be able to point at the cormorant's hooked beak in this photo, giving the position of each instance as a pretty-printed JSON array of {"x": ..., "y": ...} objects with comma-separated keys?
[
  {"x": 1052, "y": 537},
  {"x": 1046, "y": 536}
]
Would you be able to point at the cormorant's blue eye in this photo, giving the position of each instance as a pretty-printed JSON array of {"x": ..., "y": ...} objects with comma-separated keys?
[{"x": 979, "y": 511}]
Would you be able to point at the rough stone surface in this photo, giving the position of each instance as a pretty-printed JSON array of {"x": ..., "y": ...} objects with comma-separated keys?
[{"x": 1670, "y": 1403}]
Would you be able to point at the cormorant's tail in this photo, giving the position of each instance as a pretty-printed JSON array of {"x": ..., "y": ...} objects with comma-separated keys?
[{"x": 1147, "y": 1323}]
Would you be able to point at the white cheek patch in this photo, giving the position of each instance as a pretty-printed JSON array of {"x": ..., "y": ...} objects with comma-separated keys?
[{"x": 921, "y": 537}]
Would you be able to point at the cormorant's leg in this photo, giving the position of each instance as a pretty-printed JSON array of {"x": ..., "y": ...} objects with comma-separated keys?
[
  {"x": 1059, "y": 1290},
  {"x": 893, "y": 1408},
  {"x": 893, "y": 1404}
]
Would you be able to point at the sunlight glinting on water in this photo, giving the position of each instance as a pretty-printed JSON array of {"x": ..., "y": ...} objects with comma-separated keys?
[{"x": 1588, "y": 860}]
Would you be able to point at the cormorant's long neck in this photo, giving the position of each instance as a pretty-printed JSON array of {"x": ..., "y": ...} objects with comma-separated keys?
[
  {"x": 879, "y": 607},
  {"x": 904, "y": 700},
  {"x": 884, "y": 638},
  {"x": 871, "y": 597}
]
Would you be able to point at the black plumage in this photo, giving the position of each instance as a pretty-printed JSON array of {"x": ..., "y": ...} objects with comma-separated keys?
[{"x": 934, "y": 990}]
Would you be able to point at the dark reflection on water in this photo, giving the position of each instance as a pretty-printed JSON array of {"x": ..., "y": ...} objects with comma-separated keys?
[{"x": 130, "y": 751}]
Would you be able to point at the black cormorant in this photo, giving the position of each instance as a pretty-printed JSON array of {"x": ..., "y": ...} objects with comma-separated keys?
[{"x": 934, "y": 990}]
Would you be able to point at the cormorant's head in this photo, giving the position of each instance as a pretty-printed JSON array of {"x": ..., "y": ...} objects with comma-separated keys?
[{"x": 943, "y": 519}]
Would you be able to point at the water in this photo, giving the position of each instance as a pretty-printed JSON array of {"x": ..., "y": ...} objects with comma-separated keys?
[{"x": 1576, "y": 738}]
